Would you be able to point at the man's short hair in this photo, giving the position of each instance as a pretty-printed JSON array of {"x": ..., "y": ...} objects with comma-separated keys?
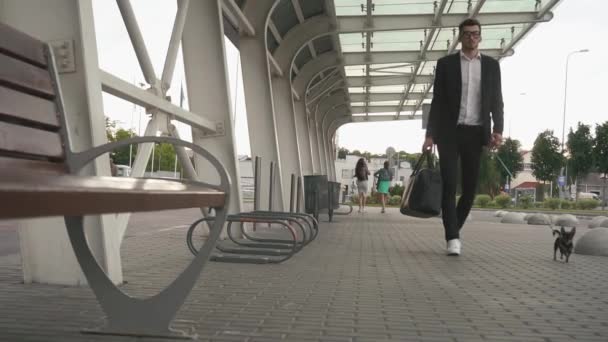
[{"x": 468, "y": 22}]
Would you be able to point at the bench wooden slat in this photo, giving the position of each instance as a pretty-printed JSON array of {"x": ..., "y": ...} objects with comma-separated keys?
[
  {"x": 37, "y": 195},
  {"x": 14, "y": 104},
  {"x": 16, "y": 140},
  {"x": 11, "y": 164},
  {"x": 25, "y": 77},
  {"x": 21, "y": 45}
]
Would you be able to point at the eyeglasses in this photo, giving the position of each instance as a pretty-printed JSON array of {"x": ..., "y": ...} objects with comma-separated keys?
[{"x": 473, "y": 34}]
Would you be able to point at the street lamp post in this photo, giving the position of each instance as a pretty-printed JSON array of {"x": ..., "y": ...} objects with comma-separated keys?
[{"x": 564, "y": 168}]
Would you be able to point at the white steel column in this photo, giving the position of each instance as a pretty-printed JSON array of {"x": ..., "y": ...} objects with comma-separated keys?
[
  {"x": 321, "y": 147},
  {"x": 314, "y": 144},
  {"x": 303, "y": 137},
  {"x": 287, "y": 135},
  {"x": 261, "y": 117},
  {"x": 207, "y": 79},
  {"x": 45, "y": 249}
]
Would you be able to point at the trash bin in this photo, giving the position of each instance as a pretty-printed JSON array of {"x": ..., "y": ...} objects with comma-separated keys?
[
  {"x": 334, "y": 190},
  {"x": 316, "y": 194}
]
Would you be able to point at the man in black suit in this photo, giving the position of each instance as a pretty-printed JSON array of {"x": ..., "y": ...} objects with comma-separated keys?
[{"x": 467, "y": 97}]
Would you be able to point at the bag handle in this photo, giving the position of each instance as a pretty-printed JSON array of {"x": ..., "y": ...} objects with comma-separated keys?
[
  {"x": 428, "y": 155},
  {"x": 419, "y": 162}
]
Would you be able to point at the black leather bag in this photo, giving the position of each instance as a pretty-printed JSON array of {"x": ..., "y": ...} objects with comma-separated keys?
[{"x": 422, "y": 195}]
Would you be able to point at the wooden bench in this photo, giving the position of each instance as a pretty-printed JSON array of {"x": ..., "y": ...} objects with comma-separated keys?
[{"x": 39, "y": 177}]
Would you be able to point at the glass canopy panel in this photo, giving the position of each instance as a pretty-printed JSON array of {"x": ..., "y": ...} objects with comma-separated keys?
[
  {"x": 389, "y": 111},
  {"x": 509, "y": 6},
  {"x": 357, "y": 104},
  {"x": 419, "y": 88},
  {"x": 384, "y": 103},
  {"x": 348, "y": 7},
  {"x": 391, "y": 69},
  {"x": 387, "y": 89},
  {"x": 397, "y": 40},
  {"x": 428, "y": 68},
  {"x": 354, "y": 70},
  {"x": 410, "y": 102},
  {"x": 459, "y": 6},
  {"x": 445, "y": 35},
  {"x": 356, "y": 90},
  {"x": 493, "y": 36},
  {"x": 384, "y": 7},
  {"x": 352, "y": 42}
]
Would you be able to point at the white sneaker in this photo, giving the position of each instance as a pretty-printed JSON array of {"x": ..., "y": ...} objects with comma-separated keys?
[{"x": 454, "y": 246}]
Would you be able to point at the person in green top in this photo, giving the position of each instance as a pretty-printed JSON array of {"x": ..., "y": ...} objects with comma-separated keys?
[{"x": 385, "y": 176}]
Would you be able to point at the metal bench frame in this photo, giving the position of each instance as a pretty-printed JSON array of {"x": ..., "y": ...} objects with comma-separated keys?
[{"x": 125, "y": 315}]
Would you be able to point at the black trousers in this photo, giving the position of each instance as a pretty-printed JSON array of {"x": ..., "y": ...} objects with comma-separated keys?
[{"x": 465, "y": 145}]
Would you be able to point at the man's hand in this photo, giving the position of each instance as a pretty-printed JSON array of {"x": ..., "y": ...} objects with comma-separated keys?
[
  {"x": 428, "y": 144},
  {"x": 496, "y": 140}
]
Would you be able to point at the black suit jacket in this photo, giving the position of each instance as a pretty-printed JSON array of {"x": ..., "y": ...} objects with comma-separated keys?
[{"x": 447, "y": 91}]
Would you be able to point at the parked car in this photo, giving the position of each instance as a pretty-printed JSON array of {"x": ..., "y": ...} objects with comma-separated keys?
[{"x": 588, "y": 195}]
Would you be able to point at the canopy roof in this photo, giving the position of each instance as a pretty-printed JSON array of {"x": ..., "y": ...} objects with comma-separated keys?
[{"x": 387, "y": 49}]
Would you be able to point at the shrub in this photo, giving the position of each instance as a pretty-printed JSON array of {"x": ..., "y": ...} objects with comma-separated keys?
[
  {"x": 372, "y": 199},
  {"x": 587, "y": 204},
  {"x": 492, "y": 204},
  {"x": 525, "y": 202},
  {"x": 503, "y": 200},
  {"x": 394, "y": 200},
  {"x": 482, "y": 200},
  {"x": 566, "y": 204},
  {"x": 551, "y": 203},
  {"x": 396, "y": 190},
  {"x": 354, "y": 198}
]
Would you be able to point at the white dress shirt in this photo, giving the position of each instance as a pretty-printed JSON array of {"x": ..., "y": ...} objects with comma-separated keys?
[{"x": 470, "y": 101}]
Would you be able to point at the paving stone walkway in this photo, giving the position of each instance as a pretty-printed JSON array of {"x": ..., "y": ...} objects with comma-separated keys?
[{"x": 368, "y": 277}]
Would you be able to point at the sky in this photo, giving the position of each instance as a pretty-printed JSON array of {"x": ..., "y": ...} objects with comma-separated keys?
[{"x": 533, "y": 78}]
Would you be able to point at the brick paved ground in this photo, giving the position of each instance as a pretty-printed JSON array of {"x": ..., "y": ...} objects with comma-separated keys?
[{"x": 368, "y": 277}]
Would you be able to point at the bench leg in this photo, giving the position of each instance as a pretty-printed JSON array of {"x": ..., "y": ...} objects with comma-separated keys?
[{"x": 129, "y": 316}]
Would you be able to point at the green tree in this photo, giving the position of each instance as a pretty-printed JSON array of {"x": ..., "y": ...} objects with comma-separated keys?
[
  {"x": 546, "y": 158},
  {"x": 356, "y": 153},
  {"x": 580, "y": 146},
  {"x": 600, "y": 149},
  {"x": 121, "y": 155},
  {"x": 509, "y": 154},
  {"x": 600, "y": 153},
  {"x": 164, "y": 158},
  {"x": 110, "y": 128},
  {"x": 342, "y": 153},
  {"x": 489, "y": 176}
]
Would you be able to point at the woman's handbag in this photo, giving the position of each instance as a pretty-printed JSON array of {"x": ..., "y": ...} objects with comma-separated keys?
[{"x": 422, "y": 195}]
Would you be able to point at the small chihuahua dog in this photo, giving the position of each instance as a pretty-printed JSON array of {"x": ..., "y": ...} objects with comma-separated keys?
[{"x": 563, "y": 242}]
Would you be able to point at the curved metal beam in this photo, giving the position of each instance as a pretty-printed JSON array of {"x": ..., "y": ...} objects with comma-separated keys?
[
  {"x": 299, "y": 36},
  {"x": 339, "y": 109},
  {"x": 327, "y": 102},
  {"x": 327, "y": 139},
  {"x": 337, "y": 123},
  {"x": 311, "y": 69}
]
